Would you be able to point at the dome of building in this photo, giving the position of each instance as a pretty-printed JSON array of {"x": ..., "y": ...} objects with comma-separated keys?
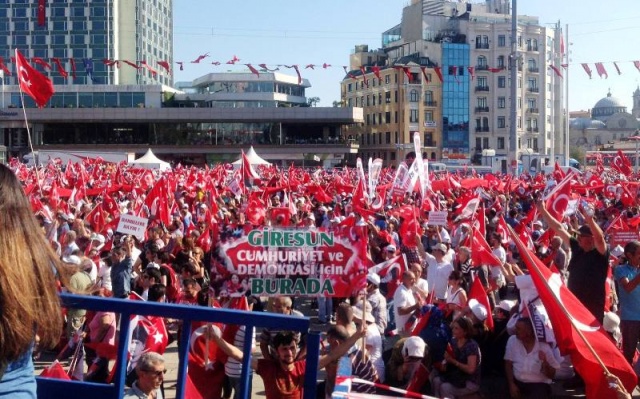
[
  {"x": 607, "y": 106},
  {"x": 586, "y": 123}
]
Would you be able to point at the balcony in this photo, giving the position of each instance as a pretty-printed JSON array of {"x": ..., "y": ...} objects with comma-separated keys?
[
  {"x": 533, "y": 130},
  {"x": 484, "y": 46},
  {"x": 480, "y": 129},
  {"x": 430, "y": 103},
  {"x": 533, "y": 89},
  {"x": 482, "y": 88},
  {"x": 533, "y": 69},
  {"x": 533, "y": 110},
  {"x": 482, "y": 67},
  {"x": 482, "y": 109}
]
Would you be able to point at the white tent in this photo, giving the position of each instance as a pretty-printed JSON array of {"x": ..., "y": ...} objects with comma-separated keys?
[
  {"x": 150, "y": 161},
  {"x": 254, "y": 159}
]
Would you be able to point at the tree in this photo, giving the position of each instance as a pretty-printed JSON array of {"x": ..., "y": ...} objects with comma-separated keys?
[
  {"x": 313, "y": 101},
  {"x": 338, "y": 104}
]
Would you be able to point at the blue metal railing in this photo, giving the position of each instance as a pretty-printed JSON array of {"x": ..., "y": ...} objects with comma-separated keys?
[{"x": 55, "y": 389}]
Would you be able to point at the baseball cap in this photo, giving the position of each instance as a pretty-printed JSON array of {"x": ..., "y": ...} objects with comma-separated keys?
[
  {"x": 358, "y": 313},
  {"x": 390, "y": 248},
  {"x": 506, "y": 305},
  {"x": 414, "y": 347},
  {"x": 373, "y": 278},
  {"x": 73, "y": 259},
  {"x": 478, "y": 309},
  {"x": 439, "y": 247}
]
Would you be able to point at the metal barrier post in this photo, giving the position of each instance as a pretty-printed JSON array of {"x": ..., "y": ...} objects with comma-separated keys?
[
  {"x": 183, "y": 358},
  {"x": 245, "y": 381},
  {"x": 311, "y": 376}
]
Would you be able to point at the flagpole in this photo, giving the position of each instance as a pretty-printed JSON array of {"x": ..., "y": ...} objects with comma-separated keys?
[{"x": 566, "y": 313}]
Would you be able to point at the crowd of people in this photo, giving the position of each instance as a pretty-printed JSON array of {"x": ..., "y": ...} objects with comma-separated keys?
[{"x": 421, "y": 327}]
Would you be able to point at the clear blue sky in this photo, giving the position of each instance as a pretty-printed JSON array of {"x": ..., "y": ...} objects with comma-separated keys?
[{"x": 314, "y": 32}]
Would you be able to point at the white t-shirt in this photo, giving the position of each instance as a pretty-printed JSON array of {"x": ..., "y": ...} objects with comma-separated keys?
[
  {"x": 438, "y": 277},
  {"x": 104, "y": 274},
  {"x": 527, "y": 366},
  {"x": 403, "y": 297}
]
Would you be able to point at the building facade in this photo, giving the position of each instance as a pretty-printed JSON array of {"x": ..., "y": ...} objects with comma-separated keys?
[
  {"x": 75, "y": 36},
  {"x": 469, "y": 52},
  {"x": 201, "y": 123}
]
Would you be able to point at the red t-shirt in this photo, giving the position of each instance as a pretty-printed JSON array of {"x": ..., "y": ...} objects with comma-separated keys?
[{"x": 280, "y": 384}]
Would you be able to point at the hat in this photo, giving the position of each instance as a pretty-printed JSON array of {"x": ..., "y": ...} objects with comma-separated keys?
[
  {"x": 439, "y": 247},
  {"x": 373, "y": 278},
  {"x": 335, "y": 220},
  {"x": 413, "y": 347},
  {"x": 611, "y": 324},
  {"x": 357, "y": 312},
  {"x": 73, "y": 259},
  {"x": 585, "y": 231},
  {"x": 311, "y": 217},
  {"x": 97, "y": 237},
  {"x": 322, "y": 209},
  {"x": 537, "y": 223},
  {"x": 478, "y": 309},
  {"x": 185, "y": 206},
  {"x": 506, "y": 305},
  {"x": 390, "y": 248},
  {"x": 446, "y": 240},
  {"x": 466, "y": 225}
]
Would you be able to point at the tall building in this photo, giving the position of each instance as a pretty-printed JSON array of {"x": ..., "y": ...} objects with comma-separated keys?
[
  {"x": 466, "y": 47},
  {"x": 78, "y": 35}
]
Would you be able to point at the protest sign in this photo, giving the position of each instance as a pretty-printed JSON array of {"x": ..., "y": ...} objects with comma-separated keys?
[{"x": 132, "y": 225}]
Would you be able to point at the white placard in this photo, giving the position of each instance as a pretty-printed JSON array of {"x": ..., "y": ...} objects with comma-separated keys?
[
  {"x": 438, "y": 218},
  {"x": 132, "y": 225}
]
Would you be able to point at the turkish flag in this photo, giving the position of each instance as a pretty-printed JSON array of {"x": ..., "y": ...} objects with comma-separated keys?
[
  {"x": 621, "y": 163},
  {"x": 96, "y": 218},
  {"x": 55, "y": 370},
  {"x": 32, "y": 82},
  {"x": 41, "y": 12},
  {"x": 481, "y": 251},
  {"x": 384, "y": 269},
  {"x": 147, "y": 334},
  {"x": 558, "y": 201},
  {"x": 577, "y": 331}
]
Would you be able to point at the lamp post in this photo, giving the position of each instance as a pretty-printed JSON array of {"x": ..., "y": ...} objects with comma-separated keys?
[
  {"x": 636, "y": 138},
  {"x": 2, "y": 77}
]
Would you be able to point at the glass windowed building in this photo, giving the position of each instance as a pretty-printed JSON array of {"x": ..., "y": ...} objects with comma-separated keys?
[
  {"x": 455, "y": 98},
  {"x": 77, "y": 35}
]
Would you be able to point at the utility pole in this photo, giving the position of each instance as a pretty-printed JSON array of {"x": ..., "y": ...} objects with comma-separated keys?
[
  {"x": 566, "y": 98},
  {"x": 512, "y": 158}
]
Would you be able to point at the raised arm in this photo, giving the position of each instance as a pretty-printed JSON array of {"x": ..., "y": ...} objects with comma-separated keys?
[
  {"x": 598, "y": 235},
  {"x": 343, "y": 348}
]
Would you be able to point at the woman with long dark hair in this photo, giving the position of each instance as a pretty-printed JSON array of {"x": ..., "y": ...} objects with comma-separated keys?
[{"x": 28, "y": 293}]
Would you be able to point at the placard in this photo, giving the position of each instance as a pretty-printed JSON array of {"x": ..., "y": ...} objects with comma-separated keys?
[
  {"x": 132, "y": 225},
  {"x": 438, "y": 218}
]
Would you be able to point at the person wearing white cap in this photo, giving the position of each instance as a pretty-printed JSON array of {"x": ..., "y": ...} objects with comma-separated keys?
[
  {"x": 413, "y": 352},
  {"x": 378, "y": 302},
  {"x": 405, "y": 303},
  {"x": 373, "y": 341},
  {"x": 438, "y": 270}
]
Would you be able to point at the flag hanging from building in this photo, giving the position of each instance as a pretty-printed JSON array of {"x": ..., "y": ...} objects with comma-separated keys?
[
  {"x": 32, "y": 82},
  {"x": 88, "y": 67}
]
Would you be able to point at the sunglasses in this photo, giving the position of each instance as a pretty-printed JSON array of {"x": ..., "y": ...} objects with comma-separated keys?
[{"x": 156, "y": 373}]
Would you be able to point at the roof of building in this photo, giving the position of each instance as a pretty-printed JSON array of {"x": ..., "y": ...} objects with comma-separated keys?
[
  {"x": 586, "y": 123},
  {"x": 609, "y": 102}
]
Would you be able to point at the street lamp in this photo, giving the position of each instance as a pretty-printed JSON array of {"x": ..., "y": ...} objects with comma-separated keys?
[
  {"x": 636, "y": 139},
  {"x": 2, "y": 77}
]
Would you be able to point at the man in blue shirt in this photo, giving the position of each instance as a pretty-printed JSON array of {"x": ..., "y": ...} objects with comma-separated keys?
[
  {"x": 628, "y": 278},
  {"x": 122, "y": 268}
]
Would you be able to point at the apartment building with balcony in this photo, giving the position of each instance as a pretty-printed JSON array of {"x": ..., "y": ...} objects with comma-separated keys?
[{"x": 470, "y": 102}]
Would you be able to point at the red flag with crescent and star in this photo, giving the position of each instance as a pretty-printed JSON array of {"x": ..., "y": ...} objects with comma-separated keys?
[
  {"x": 558, "y": 201},
  {"x": 32, "y": 82}
]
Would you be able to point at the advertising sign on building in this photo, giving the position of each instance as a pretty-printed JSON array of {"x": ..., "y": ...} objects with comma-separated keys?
[{"x": 299, "y": 262}]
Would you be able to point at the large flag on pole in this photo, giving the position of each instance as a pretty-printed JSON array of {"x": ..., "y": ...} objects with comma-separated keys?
[
  {"x": 577, "y": 331},
  {"x": 32, "y": 82}
]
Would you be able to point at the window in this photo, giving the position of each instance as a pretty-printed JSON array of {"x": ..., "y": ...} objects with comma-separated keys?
[
  {"x": 485, "y": 124},
  {"x": 373, "y": 100},
  {"x": 531, "y": 103},
  {"x": 387, "y": 117},
  {"x": 413, "y": 116},
  {"x": 485, "y": 142},
  {"x": 535, "y": 144},
  {"x": 533, "y": 83},
  {"x": 531, "y": 64},
  {"x": 387, "y": 79},
  {"x": 367, "y": 100},
  {"x": 482, "y": 61},
  {"x": 387, "y": 97},
  {"x": 428, "y": 116},
  {"x": 349, "y": 87},
  {"x": 500, "y": 143},
  {"x": 502, "y": 82},
  {"x": 482, "y": 102},
  {"x": 395, "y": 99},
  {"x": 77, "y": 11},
  {"x": 482, "y": 81},
  {"x": 38, "y": 39},
  {"x": 501, "y": 61},
  {"x": 502, "y": 122},
  {"x": 375, "y": 118},
  {"x": 387, "y": 137},
  {"x": 414, "y": 96},
  {"x": 502, "y": 102},
  {"x": 502, "y": 41},
  {"x": 478, "y": 143}
]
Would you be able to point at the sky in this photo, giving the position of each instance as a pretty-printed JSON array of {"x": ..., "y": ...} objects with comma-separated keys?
[{"x": 286, "y": 32}]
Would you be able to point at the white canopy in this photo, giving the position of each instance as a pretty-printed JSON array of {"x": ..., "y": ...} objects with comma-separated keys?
[
  {"x": 150, "y": 161},
  {"x": 254, "y": 159}
]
